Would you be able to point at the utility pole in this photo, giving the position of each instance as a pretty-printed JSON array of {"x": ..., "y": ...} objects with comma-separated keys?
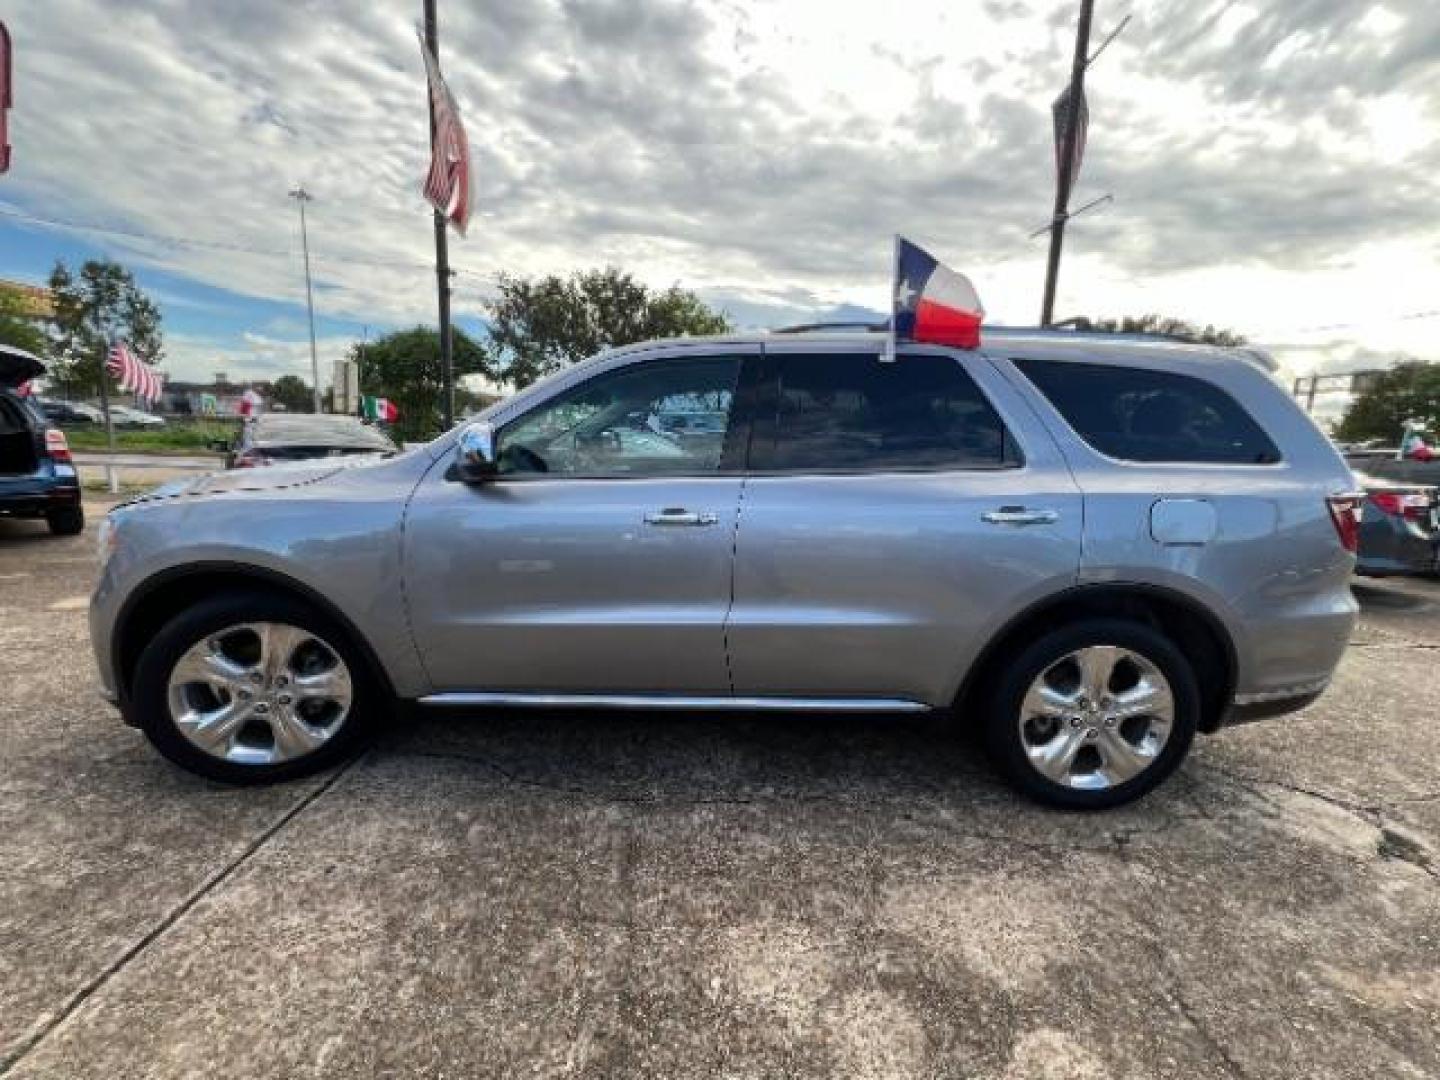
[
  {"x": 1067, "y": 159},
  {"x": 442, "y": 245},
  {"x": 301, "y": 196}
]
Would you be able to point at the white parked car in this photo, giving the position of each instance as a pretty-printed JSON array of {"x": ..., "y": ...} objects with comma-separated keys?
[{"x": 123, "y": 416}]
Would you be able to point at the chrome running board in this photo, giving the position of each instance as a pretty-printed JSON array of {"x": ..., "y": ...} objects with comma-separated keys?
[{"x": 673, "y": 701}]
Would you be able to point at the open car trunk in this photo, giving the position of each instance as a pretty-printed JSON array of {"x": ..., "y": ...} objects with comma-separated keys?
[{"x": 18, "y": 455}]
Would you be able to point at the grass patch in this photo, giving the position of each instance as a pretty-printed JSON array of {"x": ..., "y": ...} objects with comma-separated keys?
[
  {"x": 125, "y": 490},
  {"x": 176, "y": 437}
]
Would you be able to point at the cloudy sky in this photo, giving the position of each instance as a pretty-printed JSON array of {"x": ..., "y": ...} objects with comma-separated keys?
[{"x": 1275, "y": 165}]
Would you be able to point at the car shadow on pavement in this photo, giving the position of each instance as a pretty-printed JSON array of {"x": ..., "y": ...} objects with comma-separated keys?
[{"x": 696, "y": 759}]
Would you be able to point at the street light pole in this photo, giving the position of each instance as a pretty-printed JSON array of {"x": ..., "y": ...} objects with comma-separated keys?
[
  {"x": 1067, "y": 160},
  {"x": 301, "y": 196}
]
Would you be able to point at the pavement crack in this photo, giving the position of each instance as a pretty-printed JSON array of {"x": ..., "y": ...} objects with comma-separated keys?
[
  {"x": 1154, "y": 940},
  {"x": 1392, "y": 842},
  {"x": 1370, "y": 813},
  {"x": 96, "y": 983}
]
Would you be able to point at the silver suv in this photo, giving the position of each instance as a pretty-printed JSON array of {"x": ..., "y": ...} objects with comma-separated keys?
[{"x": 1089, "y": 547}]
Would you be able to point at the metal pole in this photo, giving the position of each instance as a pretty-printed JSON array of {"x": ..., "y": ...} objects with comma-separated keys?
[
  {"x": 302, "y": 196},
  {"x": 442, "y": 247},
  {"x": 110, "y": 479},
  {"x": 1067, "y": 160}
]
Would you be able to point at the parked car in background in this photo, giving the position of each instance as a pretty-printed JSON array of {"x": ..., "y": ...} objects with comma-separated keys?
[
  {"x": 276, "y": 438},
  {"x": 1090, "y": 547},
  {"x": 1386, "y": 463},
  {"x": 124, "y": 416},
  {"x": 37, "y": 475},
  {"x": 69, "y": 413},
  {"x": 1399, "y": 528}
]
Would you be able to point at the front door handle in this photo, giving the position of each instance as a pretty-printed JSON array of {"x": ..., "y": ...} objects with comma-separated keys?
[
  {"x": 675, "y": 515},
  {"x": 1019, "y": 515}
]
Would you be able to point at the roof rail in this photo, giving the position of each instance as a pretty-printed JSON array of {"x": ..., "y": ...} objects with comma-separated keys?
[
  {"x": 810, "y": 328},
  {"x": 1079, "y": 326}
]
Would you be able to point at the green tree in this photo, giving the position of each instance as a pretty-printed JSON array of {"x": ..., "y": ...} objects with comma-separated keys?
[
  {"x": 1166, "y": 326},
  {"x": 293, "y": 393},
  {"x": 17, "y": 328},
  {"x": 539, "y": 326},
  {"x": 1408, "y": 391},
  {"x": 405, "y": 367},
  {"x": 101, "y": 300}
]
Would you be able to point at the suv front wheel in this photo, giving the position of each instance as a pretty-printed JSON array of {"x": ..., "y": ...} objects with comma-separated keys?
[
  {"x": 250, "y": 689},
  {"x": 1094, "y": 714}
]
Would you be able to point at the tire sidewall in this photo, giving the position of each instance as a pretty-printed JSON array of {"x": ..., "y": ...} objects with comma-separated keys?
[
  {"x": 1002, "y": 729},
  {"x": 149, "y": 705},
  {"x": 67, "y": 522}
]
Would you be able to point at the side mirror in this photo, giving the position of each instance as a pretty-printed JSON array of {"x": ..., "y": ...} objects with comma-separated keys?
[{"x": 475, "y": 453}]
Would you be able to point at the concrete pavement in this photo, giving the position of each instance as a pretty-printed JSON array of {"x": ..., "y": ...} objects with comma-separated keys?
[{"x": 545, "y": 895}]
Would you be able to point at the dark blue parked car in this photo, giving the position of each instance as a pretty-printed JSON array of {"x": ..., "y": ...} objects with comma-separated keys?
[{"x": 37, "y": 476}]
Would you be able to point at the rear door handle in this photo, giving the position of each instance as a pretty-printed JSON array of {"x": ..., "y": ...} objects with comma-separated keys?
[
  {"x": 675, "y": 515},
  {"x": 1019, "y": 515}
]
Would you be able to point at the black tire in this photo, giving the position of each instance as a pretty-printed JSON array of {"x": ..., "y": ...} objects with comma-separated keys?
[
  {"x": 149, "y": 701},
  {"x": 1002, "y": 733},
  {"x": 67, "y": 522}
]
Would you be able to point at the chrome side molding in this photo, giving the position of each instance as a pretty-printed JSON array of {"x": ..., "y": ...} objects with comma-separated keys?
[{"x": 671, "y": 701}]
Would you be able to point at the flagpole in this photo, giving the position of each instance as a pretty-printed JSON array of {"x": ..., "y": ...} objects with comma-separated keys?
[
  {"x": 111, "y": 482},
  {"x": 889, "y": 356},
  {"x": 442, "y": 246},
  {"x": 1067, "y": 160}
]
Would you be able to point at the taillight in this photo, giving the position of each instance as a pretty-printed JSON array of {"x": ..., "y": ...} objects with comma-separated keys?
[
  {"x": 1345, "y": 510},
  {"x": 56, "y": 446},
  {"x": 250, "y": 459},
  {"x": 1410, "y": 504}
]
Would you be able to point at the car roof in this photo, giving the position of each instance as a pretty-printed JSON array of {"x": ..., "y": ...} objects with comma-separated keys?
[
  {"x": 1145, "y": 349},
  {"x": 324, "y": 429}
]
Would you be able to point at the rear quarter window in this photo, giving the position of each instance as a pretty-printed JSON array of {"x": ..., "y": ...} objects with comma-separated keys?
[
  {"x": 1137, "y": 414},
  {"x": 853, "y": 413}
]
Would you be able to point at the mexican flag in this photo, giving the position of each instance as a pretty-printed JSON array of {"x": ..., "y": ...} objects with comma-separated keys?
[
  {"x": 379, "y": 408},
  {"x": 1413, "y": 445}
]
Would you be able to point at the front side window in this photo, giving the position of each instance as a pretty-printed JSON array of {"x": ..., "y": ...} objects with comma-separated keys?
[
  {"x": 852, "y": 412},
  {"x": 1136, "y": 414},
  {"x": 653, "y": 418}
]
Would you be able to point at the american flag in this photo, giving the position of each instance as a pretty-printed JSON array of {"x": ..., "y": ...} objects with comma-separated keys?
[
  {"x": 1060, "y": 111},
  {"x": 135, "y": 376},
  {"x": 447, "y": 185}
]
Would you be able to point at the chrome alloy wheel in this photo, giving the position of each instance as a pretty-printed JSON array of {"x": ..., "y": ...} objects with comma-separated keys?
[
  {"x": 260, "y": 693},
  {"x": 1096, "y": 718}
]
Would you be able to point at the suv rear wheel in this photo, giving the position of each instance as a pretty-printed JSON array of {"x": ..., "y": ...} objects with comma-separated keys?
[
  {"x": 252, "y": 689},
  {"x": 1094, "y": 714}
]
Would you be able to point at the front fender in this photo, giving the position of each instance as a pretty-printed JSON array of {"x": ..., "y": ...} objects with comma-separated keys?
[{"x": 338, "y": 547}]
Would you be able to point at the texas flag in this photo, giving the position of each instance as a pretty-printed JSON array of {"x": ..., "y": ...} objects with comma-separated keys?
[{"x": 932, "y": 302}]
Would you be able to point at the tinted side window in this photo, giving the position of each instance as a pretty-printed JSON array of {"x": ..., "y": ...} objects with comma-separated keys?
[
  {"x": 1140, "y": 415},
  {"x": 652, "y": 418},
  {"x": 855, "y": 412}
]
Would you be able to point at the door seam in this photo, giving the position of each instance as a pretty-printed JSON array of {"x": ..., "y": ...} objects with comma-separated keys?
[{"x": 734, "y": 558}]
